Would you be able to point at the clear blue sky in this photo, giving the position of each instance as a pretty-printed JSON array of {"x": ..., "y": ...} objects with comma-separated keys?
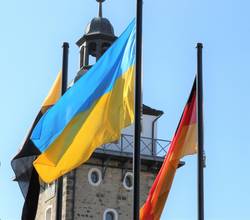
[{"x": 31, "y": 36}]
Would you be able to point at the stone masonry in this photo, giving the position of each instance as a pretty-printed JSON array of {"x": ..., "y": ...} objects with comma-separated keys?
[{"x": 83, "y": 201}]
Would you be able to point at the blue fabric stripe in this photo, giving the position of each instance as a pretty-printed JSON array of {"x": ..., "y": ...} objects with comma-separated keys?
[{"x": 98, "y": 81}]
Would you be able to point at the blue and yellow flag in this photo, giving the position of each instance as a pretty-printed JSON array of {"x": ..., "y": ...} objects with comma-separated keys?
[{"x": 91, "y": 113}]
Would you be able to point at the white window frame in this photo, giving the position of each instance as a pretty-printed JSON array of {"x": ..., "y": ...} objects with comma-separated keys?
[
  {"x": 124, "y": 181},
  {"x": 48, "y": 207},
  {"x": 110, "y": 210},
  {"x": 100, "y": 176}
]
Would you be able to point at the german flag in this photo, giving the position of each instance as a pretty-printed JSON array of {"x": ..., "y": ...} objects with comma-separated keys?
[
  {"x": 183, "y": 143},
  {"x": 22, "y": 163}
]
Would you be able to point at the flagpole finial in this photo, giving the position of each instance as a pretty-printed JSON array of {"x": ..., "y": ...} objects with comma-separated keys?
[
  {"x": 100, "y": 7},
  {"x": 199, "y": 45}
]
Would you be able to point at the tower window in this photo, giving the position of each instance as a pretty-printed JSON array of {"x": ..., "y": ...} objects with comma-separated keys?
[
  {"x": 94, "y": 176},
  {"x": 128, "y": 181},
  {"x": 105, "y": 46},
  {"x": 110, "y": 214},
  {"x": 92, "y": 49},
  {"x": 48, "y": 213}
]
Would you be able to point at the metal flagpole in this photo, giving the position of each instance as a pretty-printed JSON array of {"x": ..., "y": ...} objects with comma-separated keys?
[
  {"x": 200, "y": 133},
  {"x": 138, "y": 109},
  {"x": 64, "y": 89}
]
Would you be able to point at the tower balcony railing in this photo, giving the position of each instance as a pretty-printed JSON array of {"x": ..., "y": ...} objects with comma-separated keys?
[{"x": 149, "y": 146}]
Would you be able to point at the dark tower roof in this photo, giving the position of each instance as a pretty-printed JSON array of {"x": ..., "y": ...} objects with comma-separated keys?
[
  {"x": 97, "y": 38},
  {"x": 98, "y": 28},
  {"x": 151, "y": 111},
  {"x": 100, "y": 25}
]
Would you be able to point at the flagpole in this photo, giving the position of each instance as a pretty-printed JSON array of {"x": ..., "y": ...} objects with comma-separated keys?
[
  {"x": 200, "y": 133},
  {"x": 138, "y": 108},
  {"x": 64, "y": 89}
]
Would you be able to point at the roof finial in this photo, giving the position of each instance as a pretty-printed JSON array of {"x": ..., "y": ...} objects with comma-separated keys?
[{"x": 100, "y": 7}]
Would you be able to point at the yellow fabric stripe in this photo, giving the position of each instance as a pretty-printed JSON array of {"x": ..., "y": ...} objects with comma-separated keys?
[
  {"x": 187, "y": 142},
  {"x": 190, "y": 143},
  {"x": 54, "y": 93},
  {"x": 88, "y": 130}
]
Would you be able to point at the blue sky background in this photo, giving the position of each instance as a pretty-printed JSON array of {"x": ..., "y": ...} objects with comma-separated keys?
[{"x": 31, "y": 36}]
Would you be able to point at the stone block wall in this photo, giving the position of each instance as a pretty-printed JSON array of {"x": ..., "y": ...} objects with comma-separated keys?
[
  {"x": 47, "y": 200},
  {"x": 92, "y": 201},
  {"x": 84, "y": 201}
]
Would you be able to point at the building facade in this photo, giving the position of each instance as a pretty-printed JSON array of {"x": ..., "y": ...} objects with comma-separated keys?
[{"x": 101, "y": 189}]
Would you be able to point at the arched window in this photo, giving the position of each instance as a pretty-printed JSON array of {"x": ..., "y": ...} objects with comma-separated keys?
[
  {"x": 105, "y": 46},
  {"x": 48, "y": 213},
  {"x": 95, "y": 176},
  {"x": 110, "y": 214},
  {"x": 128, "y": 181}
]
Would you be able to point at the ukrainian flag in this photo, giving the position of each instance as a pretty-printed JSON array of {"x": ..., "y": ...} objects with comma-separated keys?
[{"x": 91, "y": 113}]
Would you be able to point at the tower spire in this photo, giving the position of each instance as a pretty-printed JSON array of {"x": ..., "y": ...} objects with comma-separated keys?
[
  {"x": 97, "y": 38},
  {"x": 100, "y": 8}
]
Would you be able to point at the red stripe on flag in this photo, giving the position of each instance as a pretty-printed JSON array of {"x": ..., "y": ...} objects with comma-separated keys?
[{"x": 159, "y": 191}]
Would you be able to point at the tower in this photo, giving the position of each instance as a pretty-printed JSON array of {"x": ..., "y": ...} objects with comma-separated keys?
[
  {"x": 98, "y": 37},
  {"x": 101, "y": 188}
]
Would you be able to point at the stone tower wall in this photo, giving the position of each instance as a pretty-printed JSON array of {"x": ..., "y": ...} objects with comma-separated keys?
[
  {"x": 83, "y": 201},
  {"x": 91, "y": 201},
  {"x": 47, "y": 199}
]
